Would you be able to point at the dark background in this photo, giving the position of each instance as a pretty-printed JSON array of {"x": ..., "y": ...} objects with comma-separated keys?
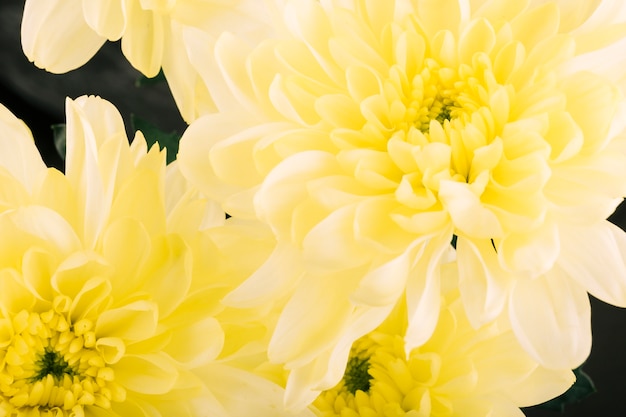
[{"x": 38, "y": 98}]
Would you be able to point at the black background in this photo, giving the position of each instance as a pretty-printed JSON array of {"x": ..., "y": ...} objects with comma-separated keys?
[{"x": 38, "y": 97}]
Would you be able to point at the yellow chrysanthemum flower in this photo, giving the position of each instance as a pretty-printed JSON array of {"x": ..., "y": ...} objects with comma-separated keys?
[
  {"x": 372, "y": 134},
  {"x": 62, "y": 35},
  {"x": 110, "y": 276},
  {"x": 460, "y": 371}
]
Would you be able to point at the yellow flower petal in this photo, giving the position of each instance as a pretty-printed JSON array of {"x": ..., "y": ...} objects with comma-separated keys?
[{"x": 150, "y": 374}]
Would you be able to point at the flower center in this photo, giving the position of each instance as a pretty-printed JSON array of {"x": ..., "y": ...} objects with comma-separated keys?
[
  {"x": 49, "y": 363},
  {"x": 356, "y": 377},
  {"x": 379, "y": 380}
]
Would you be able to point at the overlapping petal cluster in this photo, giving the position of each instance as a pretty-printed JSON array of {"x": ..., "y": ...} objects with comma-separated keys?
[
  {"x": 62, "y": 35},
  {"x": 460, "y": 371},
  {"x": 110, "y": 281},
  {"x": 370, "y": 135}
]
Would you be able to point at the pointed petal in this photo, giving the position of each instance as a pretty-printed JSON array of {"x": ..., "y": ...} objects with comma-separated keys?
[{"x": 18, "y": 153}]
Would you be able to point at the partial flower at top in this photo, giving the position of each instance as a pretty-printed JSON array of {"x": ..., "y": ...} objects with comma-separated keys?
[
  {"x": 62, "y": 35},
  {"x": 110, "y": 276},
  {"x": 372, "y": 134}
]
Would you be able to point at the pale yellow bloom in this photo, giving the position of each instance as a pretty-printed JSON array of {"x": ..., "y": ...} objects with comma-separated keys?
[
  {"x": 460, "y": 371},
  {"x": 62, "y": 35},
  {"x": 110, "y": 276},
  {"x": 370, "y": 134}
]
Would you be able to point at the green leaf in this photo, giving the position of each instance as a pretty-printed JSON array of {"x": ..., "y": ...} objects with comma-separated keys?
[
  {"x": 59, "y": 135},
  {"x": 582, "y": 388},
  {"x": 143, "y": 81},
  {"x": 167, "y": 141}
]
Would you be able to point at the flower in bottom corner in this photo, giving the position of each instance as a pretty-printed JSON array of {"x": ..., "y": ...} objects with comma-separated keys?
[
  {"x": 459, "y": 372},
  {"x": 110, "y": 276}
]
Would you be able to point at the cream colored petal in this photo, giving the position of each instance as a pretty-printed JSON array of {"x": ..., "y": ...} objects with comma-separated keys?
[
  {"x": 92, "y": 298},
  {"x": 438, "y": 15},
  {"x": 313, "y": 318},
  {"x": 469, "y": 215},
  {"x": 135, "y": 321},
  {"x": 264, "y": 285},
  {"x": 144, "y": 38},
  {"x": 18, "y": 153},
  {"x": 75, "y": 273},
  {"x": 592, "y": 102},
  {"x": 199, "y": 47},
  {"x": 306, "y": 381},
  {"x": 46, "y": 225},
  {"x": 106, "y": 17},
  {"x": 384, "y": 285},
  {"x": 197, "y": 343},
  {"x": 282, "y": 190},
  {"x": 194, "y": 152},
  {"x": 531, "y": 253},
  {"x": 170, "y": 281},
  {"x": 331, "y": 243},
  {"x": 243, "y": 393},
  {"x": 544, "y": 19},
  {"x": 190, "y": 94},
  {"x": 49, "y": 47},
  {"x": 90, "y": 122},
  {"x": 596, "y": 258},
  {"x": 542, "y": 385},
  {"x": 482, "y": 281},
  {"x": 423, "y": 290},
  {"x": 551, "y": 318}
]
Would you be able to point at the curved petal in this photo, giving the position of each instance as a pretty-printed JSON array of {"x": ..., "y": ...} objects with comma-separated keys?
[
  {"x": 423, "y": 291},
  {"x": 144, "y": 39},
  {"x": 265, "y": 285},
  {"x": 482, "y": 282},
  {"x": 263, "y": 397},
  {"x": 188, "y": 90},
  {"x": 313, "y": 319},
  {"x": 57, "y": 50},
  {"x": 151, "y": 374},
  {"x": 595, "y": 257},
  {"x": 135, "y": 321},
  {"x": 198, "y": 343},
  {"x": 551, "y": 318},
  {"x": 106, "y": 17}
]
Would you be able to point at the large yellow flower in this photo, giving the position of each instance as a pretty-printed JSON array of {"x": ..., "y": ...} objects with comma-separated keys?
[
  {"x": 110, "y": 276},
  {"x": 460, "y": 371},
  {"x": 371, "y": 134},
  {"x": 62, "y": 35}
]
